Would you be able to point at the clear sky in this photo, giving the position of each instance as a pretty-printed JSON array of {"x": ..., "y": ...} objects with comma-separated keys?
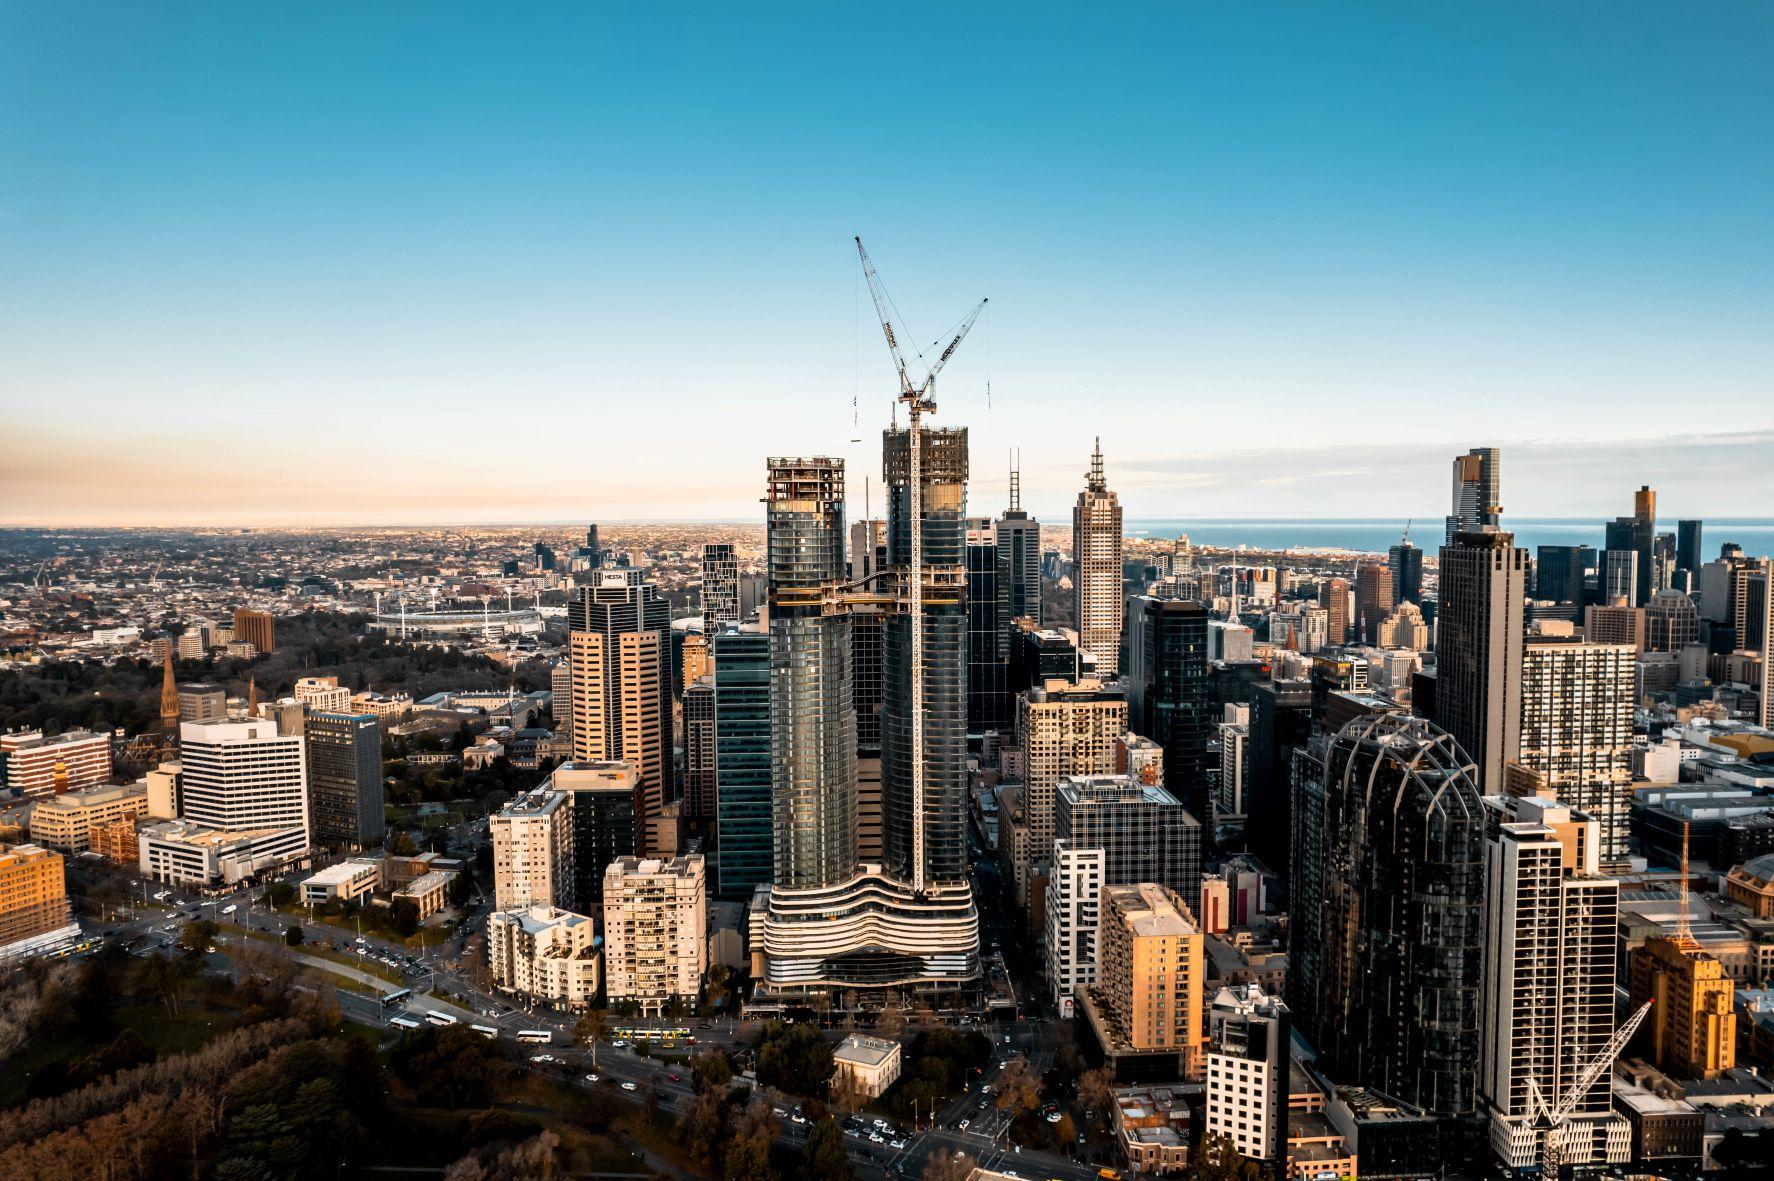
[{"x": 318, "y": 263}]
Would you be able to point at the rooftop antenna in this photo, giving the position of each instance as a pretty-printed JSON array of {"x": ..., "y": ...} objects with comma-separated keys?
[
  {"x": 1684, "y": 934},
  {"x": 1016, "y": 480}
]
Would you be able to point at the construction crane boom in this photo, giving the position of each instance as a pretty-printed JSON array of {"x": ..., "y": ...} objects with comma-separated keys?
[
  {"x": 1552, "y": 1119},
  {"x": 879, "y": 295}
]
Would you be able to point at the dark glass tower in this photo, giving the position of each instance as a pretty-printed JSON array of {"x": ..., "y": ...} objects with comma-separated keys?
[
  {"x": 988, "y": 632},
  {"x": 1559, "y": 571},
  {"x": 1280, "y": 723},
  {"x": 345, "y": 779},
  {"x": 943, "y": 537},
  {"x": 1387, "y": 897},
  {"x": 1478, "y": 649},
  {"x": 1406, "y": 561},
  {"x": 812, "y": 728},
  {"x": 1688, "y": 546},
  {"x": 742, "y": 761},
  {"x": 1019, "y": 558},
  {"x": 1167, "y": 678}
]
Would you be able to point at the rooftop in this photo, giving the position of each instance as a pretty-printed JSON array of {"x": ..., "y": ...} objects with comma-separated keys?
[{"x": 864, "y": 1050}]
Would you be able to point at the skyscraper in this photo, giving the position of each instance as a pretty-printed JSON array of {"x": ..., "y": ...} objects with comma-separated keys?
[
  {"x": 988, "y": 632},
  {"x": 1145, "y": 834},
  {"x": 1373, "y": 597},
  {"x": 1386, "y": 897},
  {"x": 1550, "y": 922},
  {"x": 924, "y": 821},
  {"x": 742, "y": 760},
  {"x": 1559, "y": 570},
  {"x": 532, "y": 839},
  {"x": 699, "y": 753},
  {"x": 1333, "y": 596},
  {"x": 812, "y": 729},
  {"x": 1019, "y": 558},
  {"x": 1247, "y": 1070},
  {"x": 619, "y": 644},
  {"x": 345, "y": 779},
  {"x": 1168, "y": 687},
  {"x": 1577, "y": 701},
  {"x": 1478, "y": 649},
  {"x": 1637, "y": 534},
  {"x": 1478, "y": 492},
  {"x": 1062, "y": 729},
  {"x": 1688, "y": 550},
  {"x": 1096, "y": 577},
  {"x": 720, "y": 587},
  {"x": 1406, "y": 561},
  {"x": 602, "y": 823},
  {"x": 241, "y": 774}
]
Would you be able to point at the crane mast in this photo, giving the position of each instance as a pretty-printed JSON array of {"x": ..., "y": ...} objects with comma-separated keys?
[
  {"x": 1553, "y": 1119},
  {"x": 916, "y": 396}
]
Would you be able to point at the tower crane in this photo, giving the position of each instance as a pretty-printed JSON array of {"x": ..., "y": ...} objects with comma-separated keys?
[
  {"x": 1551, "y": 1121},
  {"x": 915, "y": 394}
]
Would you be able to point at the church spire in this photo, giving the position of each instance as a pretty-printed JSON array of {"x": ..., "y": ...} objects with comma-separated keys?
[{"x": 169, "y": 692}]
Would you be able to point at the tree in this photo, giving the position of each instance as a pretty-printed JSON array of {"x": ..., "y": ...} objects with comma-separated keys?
[
  {"x": 197, "y": 936},
  {"x": 794, "y": 1058},
  {"x": 403, "y": 916},
  {"x": 944, "y": 1165},
  {"x": 700, "y": 1129},
  {"x": 279, "y": 894},
  {"x": 1096, "y": 1094},
  {"x": 1217, "y": 1160},
  {"x": 1066, "y": 1131},
  {"x": 401, "y": 845},
  {"x": 294, "y": 935},
  {"x": 891, "y": 1023},
  {"x": 1019, "y": 1089},
  {"x": 747, "y": 1160},
  {"x": 711, "y": 1071},
  {"x": 825, "y": 1158}
]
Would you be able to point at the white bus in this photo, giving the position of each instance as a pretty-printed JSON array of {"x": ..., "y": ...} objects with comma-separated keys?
[
  {"x": 541, "y": 1037},
  {"x": 486, "y": 1031},
  {"x": 437, "y": 1018},
  {"x": 403, "y": 1023},
  {"x": 396, "y": 997}
]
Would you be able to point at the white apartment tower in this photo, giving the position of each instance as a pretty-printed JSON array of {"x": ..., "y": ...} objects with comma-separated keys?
[
  {"x": 533, "y": 851},
  {"x": 239, "y": 774},
  {"x": 1247, "y": 1070},
  {"x": 1096, "y": 578},
  {"x": 655, "y": 930},
  {"x": 1577, "y": 702},
  {"x": 1073, "y": 893},
  {"x": 1549, "y": 977}
]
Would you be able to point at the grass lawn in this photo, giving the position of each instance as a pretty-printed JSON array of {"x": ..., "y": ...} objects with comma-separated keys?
[{"x": 320, "y": 951}]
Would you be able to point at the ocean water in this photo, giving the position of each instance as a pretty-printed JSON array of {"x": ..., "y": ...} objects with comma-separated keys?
[{"x": 1754, "y": 534}]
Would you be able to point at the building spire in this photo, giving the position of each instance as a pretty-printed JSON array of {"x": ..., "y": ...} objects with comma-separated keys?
[
  {"x": 169, "y": 692},
  {"x": 1016, "y": 485},
  {"x": 1097, "y": 482}
]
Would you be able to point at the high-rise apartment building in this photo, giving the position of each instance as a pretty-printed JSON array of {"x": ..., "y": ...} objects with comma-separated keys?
[
  {"x": 619, "y": 643},
  {"x": 720, "y": 587},
  {"x": 1478, "y": 495},
  {"x": 543, "y": 953},
  {"x": 1062, "y": 729},
  {"x": 1615, "y": 623},
  {"x": 258, "y": 628},
  {"x": 1373, "y": 597},
  {"x": 1096, "y": 575},
  {"x": 1247, "y": 1071},
  {"x": 813, "y": 732},
  {"x": 1406, "y": 563},
  {"x": 1753, "y": 610},
  {"x": 603, "y": 823},
  {"x": 345, "y": 796},
  {"x": 743, "y": 836},
  {"x": 533, "y": 851},
  {"x": 1168, "y": 680},
  {"x": 699, "y": 753},
  {"x": 1577, "y": 703},
  {"x": 1691, "y": 1030},
  {"x": 1144, "y": 833},
  {"x": 34, "y": 908},
  {"x": 242, "y": 775},
  {"x": 1152, "y": 973},
  {"x": 1478, "y": 649},
  {"x": 560, "y": 684},
  {"x": 1075, "y": 881},
  {"x": 698, "y": 659},
  {"x": 655, "y": 931},
  {"x": 1551, "y": 931},
  {"x": 1386, "y": 894},
  {"x": 37, "y": 767}
]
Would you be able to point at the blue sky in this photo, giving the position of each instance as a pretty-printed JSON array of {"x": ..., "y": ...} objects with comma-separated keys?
[{"x": 352, "y": 263}]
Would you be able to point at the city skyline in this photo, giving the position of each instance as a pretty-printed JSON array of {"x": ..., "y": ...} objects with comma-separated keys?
[{"x": 350, "y": 295}]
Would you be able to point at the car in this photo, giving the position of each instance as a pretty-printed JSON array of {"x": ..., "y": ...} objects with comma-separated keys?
[
  {"x": 629, "y": 1087},
  {"x": 962, "y": 1126},
  {"x": 591, "y": 1078},
  {"x": 797, "y": 1118},
  {"x": 619, "y": 1043},
  {"x": 1055, "y": 1118},
  {"x": 877, "y": 1138},
  {"x": 542, "y": 1058},
  {"x": 674, "y": 1078},
  {"x": 896, "y": 1142},
  {"x": 882, "y": 1125},
  {"x": 1007, "y": 1039},
  {"x": 1010, "y": 1172}
]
